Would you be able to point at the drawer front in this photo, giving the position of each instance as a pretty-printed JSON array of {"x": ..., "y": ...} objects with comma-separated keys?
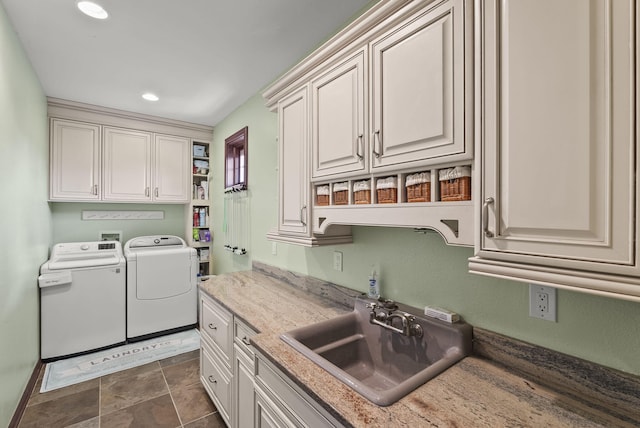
[
  {"x": 217, "y": 325},
  {"x": 215, "y": 380},
  {"x": 242, "y": 337}
]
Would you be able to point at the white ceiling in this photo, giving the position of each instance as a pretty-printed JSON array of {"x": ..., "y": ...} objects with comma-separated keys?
[{"x": 203, "y": 58}]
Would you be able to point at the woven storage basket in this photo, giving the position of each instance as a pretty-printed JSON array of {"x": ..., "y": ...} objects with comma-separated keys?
[
  {"x": 322, "y": 195},
  {"x": 455, "y": 184},
  {"x": 341, "y": 193},
  {"x": 419, "y": 187},
  {"x": 362, "y": 192},
  {"x": 387, "y": 190}
]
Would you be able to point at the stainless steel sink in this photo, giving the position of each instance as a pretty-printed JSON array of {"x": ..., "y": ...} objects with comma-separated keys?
[{"x": 383, "y": 351}]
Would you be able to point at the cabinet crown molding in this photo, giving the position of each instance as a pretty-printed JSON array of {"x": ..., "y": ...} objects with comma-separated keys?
[
  {"x": 73, "y": 110},
  {"x": 377, "y": 19}
]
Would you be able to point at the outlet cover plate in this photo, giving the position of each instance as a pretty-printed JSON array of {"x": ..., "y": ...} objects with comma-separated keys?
[
  {"x": 337, "y": 261},
  {"x": 542, "y": 302}
]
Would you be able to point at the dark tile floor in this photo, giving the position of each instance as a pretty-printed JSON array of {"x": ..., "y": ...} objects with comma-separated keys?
[{"x": 165, "y": 393}]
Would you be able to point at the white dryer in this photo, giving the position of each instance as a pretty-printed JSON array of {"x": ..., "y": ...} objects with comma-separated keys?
[
  {"x": 162, "y": 289},
  {"x": 82, "y": 298}
]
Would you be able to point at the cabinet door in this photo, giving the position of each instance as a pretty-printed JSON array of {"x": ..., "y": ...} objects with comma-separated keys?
[
  {"x": 418, "y": 75},
  {"x": 127, "y": 165},
  {"x": 558, "y": 134},
  {"x": 294, "y": 181},
  {"x": 244, "y": 390},
  {"x": 171, "y": 169},
  {"x": 267, "y": 413},
  {"x": 75, "y": 161},
  {"x": 337, "y": 112}
]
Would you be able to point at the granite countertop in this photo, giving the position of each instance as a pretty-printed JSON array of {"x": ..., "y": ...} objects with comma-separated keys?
[{"x": 474, "y": 392}]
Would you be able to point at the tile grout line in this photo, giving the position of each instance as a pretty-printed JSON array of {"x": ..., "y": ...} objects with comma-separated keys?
[
  {"x": 171, "y": 396},
  {"x": 100, "y": 402}
]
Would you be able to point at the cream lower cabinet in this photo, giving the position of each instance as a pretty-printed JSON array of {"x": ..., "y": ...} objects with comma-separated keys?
[
  {"x": 557, "y": 128},
  {"x": 216, "y": 355},
  {"x": 226, "y": 363},
  {"x": 75, "y": 161},
  {"x": 280, "y": 403}
]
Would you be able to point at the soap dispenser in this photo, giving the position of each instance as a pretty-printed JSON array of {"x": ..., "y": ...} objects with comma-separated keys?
[{"x": 374, "y": 286}]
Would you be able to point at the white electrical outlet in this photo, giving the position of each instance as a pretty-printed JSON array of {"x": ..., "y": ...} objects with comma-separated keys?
[
  {"x": 274, "y": 248},
  {"x": 542, "y": 302},
  {"x": 337, "y": 261}
]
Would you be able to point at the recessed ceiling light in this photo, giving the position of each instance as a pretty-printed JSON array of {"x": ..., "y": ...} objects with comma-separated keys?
[
  {"x": 150, "y": 97},
  {"x": 92, "y": 9}
]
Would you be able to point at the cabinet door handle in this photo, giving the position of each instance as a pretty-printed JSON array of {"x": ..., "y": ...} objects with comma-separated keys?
[
  {"x": 95, "y": 189},
  {"x": 212, "y": 327},
  {"x": 360, "y": 148},
  {"x": 246, "y": 341},
  {"x": 303, "y": 212},
  {"x": 212, "y": 380},
  {"x": 377, "y": 142},
  {"x": 485, "y": 217},
  {"x": 156, "y": 192},
  {"x": 146, "y": 191}
]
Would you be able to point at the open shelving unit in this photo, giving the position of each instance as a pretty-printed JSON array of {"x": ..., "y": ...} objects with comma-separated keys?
[{"x": 199, "y": 231}]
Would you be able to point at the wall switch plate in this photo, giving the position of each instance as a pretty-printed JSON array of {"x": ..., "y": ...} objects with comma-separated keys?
[
  {"x": 274, "y": 248},
  {"x": 337, "y": 261},
  {"x": 542, "y": 302}
]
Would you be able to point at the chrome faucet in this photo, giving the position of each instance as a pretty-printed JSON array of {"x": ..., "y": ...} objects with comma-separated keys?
[{"x": 378, "y": 316}]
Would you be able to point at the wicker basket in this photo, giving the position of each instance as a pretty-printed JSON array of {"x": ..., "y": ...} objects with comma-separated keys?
[
  {"x": 341, "y": 193},
  {"x": 419, "y": 187},
  {"x": 322, "y": 195},
  {"x": 455, "y": 184},
  {"x": 362, "y": 192},
  {"x": 387, "y": 190}
]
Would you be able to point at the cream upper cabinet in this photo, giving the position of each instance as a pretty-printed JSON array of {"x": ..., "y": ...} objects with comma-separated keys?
[
  {"x": 419, "y": 77},
  {"x": 171, "y": 173},
  {"x": 556, "y": 126},
  {"x": 338, "y": 141},
  {"x": 293, "y": 116},
  {"x": 127, "y": 165},
  {"x": 75, "y": 161},
  {"x": 142, "y": 167}
]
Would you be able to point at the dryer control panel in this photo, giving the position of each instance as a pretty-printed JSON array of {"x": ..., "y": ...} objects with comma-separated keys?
[{"x": 155, "y": 241}]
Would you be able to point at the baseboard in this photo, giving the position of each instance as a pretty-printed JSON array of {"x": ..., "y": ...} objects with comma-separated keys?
[{"x": 22, "y": 405}]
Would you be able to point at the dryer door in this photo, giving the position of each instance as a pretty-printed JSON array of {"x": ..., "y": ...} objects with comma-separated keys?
[{"x": 164, "y": 274}]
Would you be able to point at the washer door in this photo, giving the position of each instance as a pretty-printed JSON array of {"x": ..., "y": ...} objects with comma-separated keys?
[{"x": 163, "y": 274}]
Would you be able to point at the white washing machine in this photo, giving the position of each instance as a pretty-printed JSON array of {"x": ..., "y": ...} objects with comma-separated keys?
[
  {"x": 162, "y": 289},
  {"x": 82, "y": 298}
]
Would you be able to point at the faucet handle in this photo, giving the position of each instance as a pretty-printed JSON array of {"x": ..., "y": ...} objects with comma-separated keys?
[
  {"x": 371, "y": 306},
  {"x": 390, "y": 304}
]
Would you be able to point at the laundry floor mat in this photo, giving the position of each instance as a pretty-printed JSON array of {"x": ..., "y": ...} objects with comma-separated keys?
[{"x": 78, "y": 369}]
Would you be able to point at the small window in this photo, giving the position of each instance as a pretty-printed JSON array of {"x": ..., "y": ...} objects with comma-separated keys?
[{"x": 235, "y": 154}]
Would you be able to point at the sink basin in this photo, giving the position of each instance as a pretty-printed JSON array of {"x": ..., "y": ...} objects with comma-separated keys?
[{"x": 380, "y": 364}]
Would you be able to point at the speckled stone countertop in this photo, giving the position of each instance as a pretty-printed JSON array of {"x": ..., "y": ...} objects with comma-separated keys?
[{"x": 476, "y": 392}]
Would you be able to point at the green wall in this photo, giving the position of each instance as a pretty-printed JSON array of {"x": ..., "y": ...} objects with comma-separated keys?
[
  {"x": 418, "y": 269},
  {"x": 25, "y": 224},
  {"x": 68, "y": 225}
]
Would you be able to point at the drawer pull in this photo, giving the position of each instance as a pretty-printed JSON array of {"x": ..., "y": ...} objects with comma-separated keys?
[
  {"x": 212, "y": 380},
  {"x": 212, "y": 327},
  {"x": 246, "y": 341}
]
